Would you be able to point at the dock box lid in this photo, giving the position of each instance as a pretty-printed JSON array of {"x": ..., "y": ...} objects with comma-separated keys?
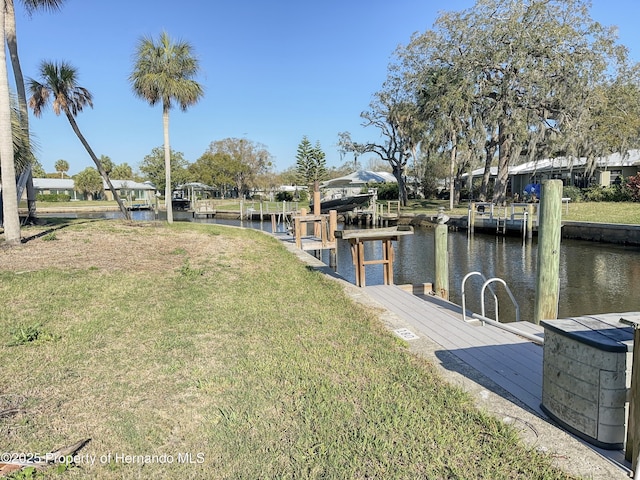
[{"x": 604, "y": 332}]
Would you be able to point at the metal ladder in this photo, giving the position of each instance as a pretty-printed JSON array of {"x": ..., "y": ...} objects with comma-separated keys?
[{"x": 483, "y": 318}]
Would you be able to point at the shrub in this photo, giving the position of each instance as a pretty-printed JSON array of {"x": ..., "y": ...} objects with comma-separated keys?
[
  {"x": 387, "y": 191},
  {"x": 572, "y": 192},
  {"x": 53, "y": 197},
  {"x": 284, "y": 196},
  {"x": 611, "y": 193},
  {"x": 303, "y": 195},
  {"x": 633, "y": 185},
  {"x": 616, "y": 193},
  {"x": 593, "y": 194}
]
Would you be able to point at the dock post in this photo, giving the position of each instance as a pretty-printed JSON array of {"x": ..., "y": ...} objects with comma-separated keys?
[
  {"x": 304, "y": 229},
  {"x": 548, "y": 271},
  {"x": 472, "y": 217},
  {"x": 530, "y": 221},
  {"x": 273, "y": 223},
  {"x": 441, "y": 284},
  {"x": 316, "y": 207},
  {"x": 297, "y": 231},
  {"x": 333, "y": 226}
]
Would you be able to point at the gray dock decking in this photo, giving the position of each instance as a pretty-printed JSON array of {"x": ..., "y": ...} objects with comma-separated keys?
[{"x": 510, "y": 361}]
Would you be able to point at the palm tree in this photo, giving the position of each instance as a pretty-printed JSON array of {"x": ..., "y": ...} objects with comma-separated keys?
[
  {"x": 59, "y": 80},
  {"x": 164, "y": 72},
  {"x": 12, "y": 44},
  {"x": 10, "y": 217}
]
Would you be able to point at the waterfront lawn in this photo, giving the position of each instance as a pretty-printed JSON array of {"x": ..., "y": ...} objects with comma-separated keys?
[
  {"x": 603, "y": 212},
  {"x": 215, "y": 353}
]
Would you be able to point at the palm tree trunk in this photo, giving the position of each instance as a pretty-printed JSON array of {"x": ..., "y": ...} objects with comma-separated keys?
[
  {"x": 104, "y": 175},
  {"x": 11, "y": 219},
  {"x": 12, "y": 44},
  {"x": 167, "y": 164}
]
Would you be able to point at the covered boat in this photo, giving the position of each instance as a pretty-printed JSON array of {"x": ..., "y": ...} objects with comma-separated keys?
[{"x": 343, "y": 204}]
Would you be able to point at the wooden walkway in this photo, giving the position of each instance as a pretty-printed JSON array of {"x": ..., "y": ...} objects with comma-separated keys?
[{"x": 510, "y": 361}]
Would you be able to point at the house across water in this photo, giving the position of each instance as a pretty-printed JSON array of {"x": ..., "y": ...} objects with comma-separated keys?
[
  {"x": 577, "y": 172},
  {"x": 133, "y": 193}
]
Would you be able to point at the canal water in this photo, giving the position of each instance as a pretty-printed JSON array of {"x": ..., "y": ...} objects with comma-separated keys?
[{"x": 594, "y": 277}]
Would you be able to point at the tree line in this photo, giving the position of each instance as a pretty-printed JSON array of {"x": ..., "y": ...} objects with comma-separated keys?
[
  {"x": 236, "y": 166},
  {"x": 239, "y": 166},
  {"x": 504, "y": 82}
]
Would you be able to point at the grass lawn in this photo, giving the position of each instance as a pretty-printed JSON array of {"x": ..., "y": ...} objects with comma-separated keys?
[{"x": 218, "y": 355}]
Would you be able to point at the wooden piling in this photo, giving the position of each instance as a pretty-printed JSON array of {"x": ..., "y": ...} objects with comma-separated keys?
[
  {"x": 530, "y": 220},
  {"x": 548, "y": 271},
  {"x": 305, "y": 229},
  {"x": 333, "y": 226},
  {"x": 441, "y": 284},
  {"x": 316, "y": 207},
  {"x": 472, "y": 217}
]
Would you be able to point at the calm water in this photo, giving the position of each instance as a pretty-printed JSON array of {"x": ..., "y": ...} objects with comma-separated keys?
[{"x": 594, "y": 277}]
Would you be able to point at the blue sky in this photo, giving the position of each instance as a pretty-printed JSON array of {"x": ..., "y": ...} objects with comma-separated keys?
[{"x": 272, "y": 71}]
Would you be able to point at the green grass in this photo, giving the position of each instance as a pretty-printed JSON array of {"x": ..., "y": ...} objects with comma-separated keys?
[
  {"x": 603, "y": 212},
  {"x": 255, "y": 365}
]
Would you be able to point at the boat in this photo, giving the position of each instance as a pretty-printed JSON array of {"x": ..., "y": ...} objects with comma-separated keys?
[
  {"x": 179, "y": 203},
  {"x": 185, "y": 195},
  {"x": 343, "y": 204}
]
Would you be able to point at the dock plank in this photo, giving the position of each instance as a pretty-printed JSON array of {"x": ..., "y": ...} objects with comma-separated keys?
[{"x": 510, "y": 361}]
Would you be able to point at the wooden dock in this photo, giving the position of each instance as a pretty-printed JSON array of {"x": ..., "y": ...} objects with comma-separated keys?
[
  {"x": 387, "y": 236},
  {"x": 510, "y": 361},
  {"x": 515, "y": 218},
  {"x": 503, "y": 362}
]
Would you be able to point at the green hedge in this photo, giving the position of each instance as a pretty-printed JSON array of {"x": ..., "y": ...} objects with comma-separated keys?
[{"x": 53, "y": 197}]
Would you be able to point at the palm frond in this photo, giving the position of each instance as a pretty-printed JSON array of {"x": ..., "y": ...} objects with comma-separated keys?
[
  {"x": 31, "y": 6},
  {"x": 59, "y": 81},
  {"x": 164, "y": 71}
]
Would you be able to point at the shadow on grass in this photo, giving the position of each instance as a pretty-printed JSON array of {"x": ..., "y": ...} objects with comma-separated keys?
[{"x": 55, "y": 224}]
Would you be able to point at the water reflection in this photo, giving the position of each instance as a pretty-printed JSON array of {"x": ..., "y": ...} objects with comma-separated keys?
[{"x": 594, "y": 277}]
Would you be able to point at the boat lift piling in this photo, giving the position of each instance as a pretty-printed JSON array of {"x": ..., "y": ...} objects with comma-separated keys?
[{"x": 549, "y": 236}]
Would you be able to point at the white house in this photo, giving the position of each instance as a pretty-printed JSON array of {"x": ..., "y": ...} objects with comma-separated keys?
[
  {"x": 354, "y": 183},
  {"x": 572, "y": 171},
  {"x": 127, "y": 189}
]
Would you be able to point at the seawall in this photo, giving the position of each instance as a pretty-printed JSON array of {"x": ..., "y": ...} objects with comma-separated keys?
[{"x": 624, "y": 234}]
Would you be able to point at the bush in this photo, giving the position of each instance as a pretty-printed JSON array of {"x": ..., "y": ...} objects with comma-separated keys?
[
  {"x": 593, "y": 194},
  {"x": 53, "y": 197},
  {"x": 303, "y": 195},
  {"x": 616, "y": 193},
  {"x": 430, "y": 189},
  {"x": 284, "y": 196},
  {"x": 571, "y": 192},
  {"x": 612, "y": 193},
  {"x": 633, "y": 186},
  {"x": 387, "y": 191},
  {"x": 297, "y": 196}
]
